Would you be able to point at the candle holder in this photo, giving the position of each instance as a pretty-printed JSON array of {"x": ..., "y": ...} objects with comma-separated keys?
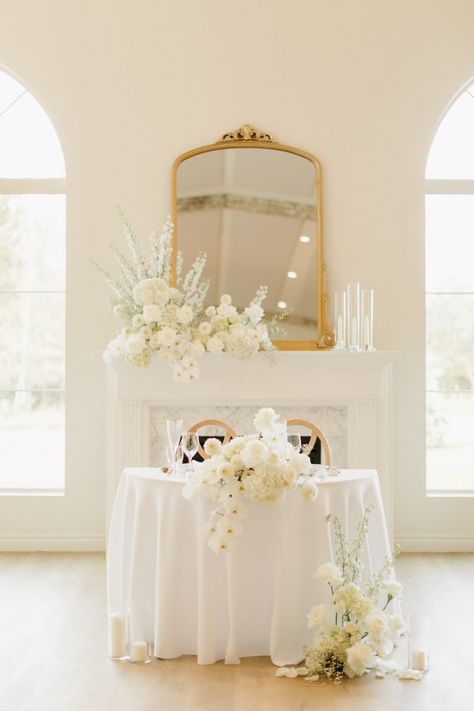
[
  {"x": 141, "y": 634},
  {"x": 353, "y": 316},
  {"x": 367, "y": 319},
  {"x": 117, "y": 634},
  {"x": 418, "y": 642},
  {"x": 340, "y": 319}
]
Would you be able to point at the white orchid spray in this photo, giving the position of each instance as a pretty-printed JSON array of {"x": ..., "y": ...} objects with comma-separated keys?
[
  {"x": 355, "y": 631},
  {"x": 260, "y": 467},
  {"x": 169, "y": 322}
]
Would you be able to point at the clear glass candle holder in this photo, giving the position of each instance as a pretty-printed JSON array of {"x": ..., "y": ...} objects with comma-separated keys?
[
  {"x": 117, "y": 621},
  {"x": 418, "y": 642},
  {"x": 367, "y": 319},
  {"x": 340, "y": 319},
  {"x": 353, "y": 316},
  {"x": 140, "y": 634}
]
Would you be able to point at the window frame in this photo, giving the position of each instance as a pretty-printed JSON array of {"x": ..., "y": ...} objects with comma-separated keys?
[{"x": 35, "y": 186}]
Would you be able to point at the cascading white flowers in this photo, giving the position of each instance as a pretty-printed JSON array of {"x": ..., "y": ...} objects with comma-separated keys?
[
  {"x": 170, "y": 322},
  {"x": 261, "y": 467},
  {"x": 354, "y": 633}
]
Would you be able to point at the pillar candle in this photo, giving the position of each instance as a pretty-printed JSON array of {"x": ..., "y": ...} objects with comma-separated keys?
[
  {"x": 117, "y": 641},
  {"x": 419, "y": 659},
  {"x": 138, "y": 651}
]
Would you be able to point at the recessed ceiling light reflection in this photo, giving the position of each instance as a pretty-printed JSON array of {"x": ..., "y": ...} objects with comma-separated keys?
[
  {"x": 292, "y": 275},
  {"x": 282, "y": 304},
  {"x": 304, "y": 239}
]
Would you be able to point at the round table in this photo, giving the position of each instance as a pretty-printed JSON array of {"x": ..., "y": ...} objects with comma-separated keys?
[{"x": 249, "y": 601}]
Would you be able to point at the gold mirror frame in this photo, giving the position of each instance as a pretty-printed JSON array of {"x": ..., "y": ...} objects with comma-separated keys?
[{"x": 244, "y": 137}]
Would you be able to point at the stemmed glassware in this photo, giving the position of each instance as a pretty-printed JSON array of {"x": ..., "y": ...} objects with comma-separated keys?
[
  {"x": 295, "y": 441},
  {"x": 174, "y": 430},
  {"x": 190, "y": 443}
]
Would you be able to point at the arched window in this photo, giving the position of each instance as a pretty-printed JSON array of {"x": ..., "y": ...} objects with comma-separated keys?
[
  {"x": 32, "y": 295},
  {"x": 450, "y": 301}
]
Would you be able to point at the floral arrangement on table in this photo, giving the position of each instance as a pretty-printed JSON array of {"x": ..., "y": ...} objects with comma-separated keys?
[
  {"x": 170, "y": 322},
  {"x": 354, "y": 633},
  {"x": 261, "y": 467}
]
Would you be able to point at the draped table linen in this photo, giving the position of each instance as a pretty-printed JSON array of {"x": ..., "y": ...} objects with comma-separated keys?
[{"x": 249, "y": 601}]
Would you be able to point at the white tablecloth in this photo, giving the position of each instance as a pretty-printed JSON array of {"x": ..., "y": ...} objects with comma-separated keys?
[{"x": 249, "y": 601}]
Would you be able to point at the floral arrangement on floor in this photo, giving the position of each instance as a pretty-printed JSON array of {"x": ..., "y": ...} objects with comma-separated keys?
[
  {"x": 354, "y": 633},
  {"x": 170, "y": 322},
  {"x": 261, "y": 467}
]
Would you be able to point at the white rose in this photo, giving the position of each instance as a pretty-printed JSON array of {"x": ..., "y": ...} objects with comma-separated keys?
[
  {"x": 205, "y": 328},
  {"x": 119, "y": 310},
  {"x": 135, "y": 343},
  {"x": 151, "y": 313},
  {"x": 212, "y": 446},
  {"x": 197, "y": 348},
  {"x": 167, "y": 337},
  {"x": 144, "y": 292},
  {"x": 226, "y": 299},
  {"x": 155, "y": 341},
  {"x": 184, "y": 315},
  {"x": 210, "y": 311},
  {"x": 146, "y": 332},
  {"x": 138, "y": 321},
  {"x": 215, "y": 345},
  {"x": 126, "y": 331},
  {"x": 359, "y": 657},
  {"x": 310, "y": 491},
  {"x": 225, "y": 471},
  {"x": 254, "y": 453}
]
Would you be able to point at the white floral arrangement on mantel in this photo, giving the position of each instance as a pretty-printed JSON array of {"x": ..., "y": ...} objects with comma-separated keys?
[
  {"x": 170, "y": 322},
  {"x": 354, "y": 633},
  {"x": 260, "y": 467}
]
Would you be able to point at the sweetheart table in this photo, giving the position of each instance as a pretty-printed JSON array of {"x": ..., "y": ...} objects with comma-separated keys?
[{"x": 249, "y": 601}]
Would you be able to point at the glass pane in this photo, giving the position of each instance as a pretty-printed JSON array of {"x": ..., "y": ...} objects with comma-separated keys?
[
  {"x": 32, "y": 341},
  {"x": 29, "y": 146},
  {"x": 452, "y": 150},
  {"x": 450, "y": 342},
  {"x": 450, "y": 441},
  {"x": 32, "y": 440},
  {"x": 449, "y": 242},
  {"x": 32, "y": 242}
]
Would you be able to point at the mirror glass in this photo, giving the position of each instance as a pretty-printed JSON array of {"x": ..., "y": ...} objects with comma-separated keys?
[{"x": 253, "y": 208}]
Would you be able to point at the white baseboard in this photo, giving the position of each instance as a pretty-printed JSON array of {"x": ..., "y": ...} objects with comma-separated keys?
[
  {"x": 52, "y": 543},
  {"x": 435, "y": 544}
]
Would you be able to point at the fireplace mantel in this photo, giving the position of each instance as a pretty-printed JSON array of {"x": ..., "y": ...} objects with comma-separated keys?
[{"x": 361, "y": 383}]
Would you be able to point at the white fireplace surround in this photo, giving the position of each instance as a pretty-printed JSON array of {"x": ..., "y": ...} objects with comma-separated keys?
[{"x": 349, "y": 394}]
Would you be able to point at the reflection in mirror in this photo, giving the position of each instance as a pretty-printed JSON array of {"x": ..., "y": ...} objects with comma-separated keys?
[{"x": 254, "y": 213}]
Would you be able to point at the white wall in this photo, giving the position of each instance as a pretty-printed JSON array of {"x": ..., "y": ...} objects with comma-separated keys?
[{"x": 129, "y": 86}]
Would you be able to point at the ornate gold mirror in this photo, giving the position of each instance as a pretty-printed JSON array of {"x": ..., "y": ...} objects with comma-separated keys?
[{"x": 254, "y": 206}]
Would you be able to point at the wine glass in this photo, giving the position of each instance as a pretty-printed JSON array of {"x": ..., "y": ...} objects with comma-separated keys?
[
  {"x": 174, "y": 429},
  {"x": 294, "y": 440},
  {"x": 190, "y": 444}
]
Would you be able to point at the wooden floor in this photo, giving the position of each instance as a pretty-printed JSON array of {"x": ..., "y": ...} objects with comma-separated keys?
[{"x": 53, "y": 650}]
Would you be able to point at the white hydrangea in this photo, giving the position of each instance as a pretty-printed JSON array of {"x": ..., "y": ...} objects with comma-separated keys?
[
  {"x": 135, "y": 343},
  {"x": 185, "y": 314}
]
